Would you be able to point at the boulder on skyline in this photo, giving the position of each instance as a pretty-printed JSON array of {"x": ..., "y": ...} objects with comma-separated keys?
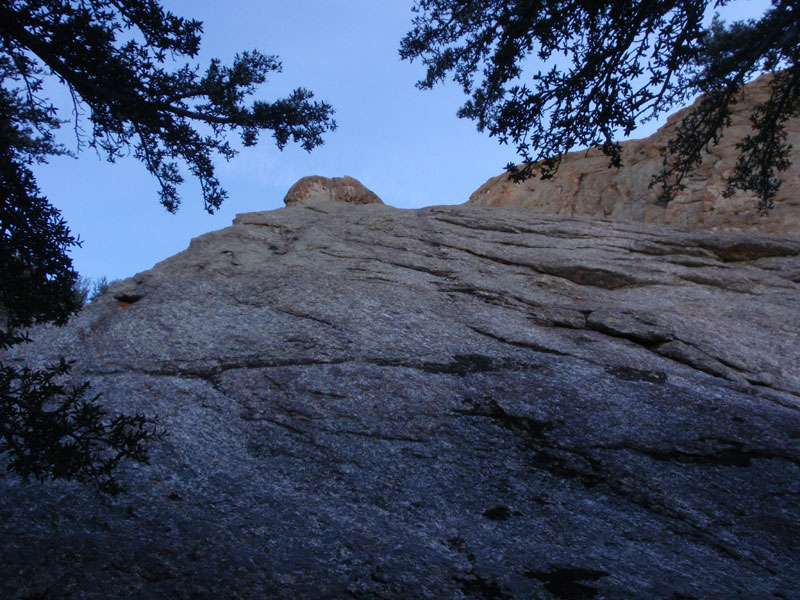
[{"x": 316, "y": 189}]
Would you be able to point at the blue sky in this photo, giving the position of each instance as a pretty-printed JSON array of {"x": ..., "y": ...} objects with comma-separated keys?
[{"x": 404, "y": 144}]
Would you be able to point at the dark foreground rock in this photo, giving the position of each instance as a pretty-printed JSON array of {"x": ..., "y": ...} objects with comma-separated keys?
[{"x": 456, "y": 402}]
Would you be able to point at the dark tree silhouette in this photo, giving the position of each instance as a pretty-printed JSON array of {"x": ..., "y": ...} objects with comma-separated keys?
[
  {"x": 118, "y": 59},
  {"x": 606, "y": 67}
]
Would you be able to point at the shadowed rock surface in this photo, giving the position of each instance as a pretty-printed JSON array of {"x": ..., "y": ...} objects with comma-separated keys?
[
  {"x": 584, "y": 185},
  {"x": 454, "y": 402}
]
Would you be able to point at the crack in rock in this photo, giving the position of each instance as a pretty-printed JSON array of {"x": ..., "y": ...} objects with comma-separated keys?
[
  {"x": 731, "y": 453},
  {"x": 461, "y": 365},
  {"x": 519, "y": 343}
]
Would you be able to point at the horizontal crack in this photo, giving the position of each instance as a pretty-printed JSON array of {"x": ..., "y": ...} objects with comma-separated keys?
[
  {"x": 519, "y": 344},
  {"x": 371, "y": 435},
  {"x": 461, "y": 365},
  {"x": 735, "y": 455},
  {"x": 302, "y": 315},
  {"x": 427, "y": 270},
  {"x": 488, "y": 296},
  {"x": 211, "y": 371},
  {"x": 580, "y": 275},
  {"x": 482, "y": 226}
]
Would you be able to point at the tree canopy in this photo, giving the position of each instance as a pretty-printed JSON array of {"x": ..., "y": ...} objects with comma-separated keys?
[
  {"x": 549, "y": 76},
  {"x": 120, "y": 60}
]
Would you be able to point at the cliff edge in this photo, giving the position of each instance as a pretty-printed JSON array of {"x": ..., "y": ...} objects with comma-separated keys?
[{"x": 585, "y": 186}]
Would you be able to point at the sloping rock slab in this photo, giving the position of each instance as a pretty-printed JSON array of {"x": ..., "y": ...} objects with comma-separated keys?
[{"x": 456, "y": 402}]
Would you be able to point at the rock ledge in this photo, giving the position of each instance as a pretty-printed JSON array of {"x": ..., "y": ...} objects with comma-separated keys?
[{"x": 585, "y": 186}]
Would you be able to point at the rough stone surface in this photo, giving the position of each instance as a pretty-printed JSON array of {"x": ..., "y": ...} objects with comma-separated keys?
[
  {"x": 584, "y": 185},
  {"x": 316, "y": 189},
  {"x": 455, "y": 402}
]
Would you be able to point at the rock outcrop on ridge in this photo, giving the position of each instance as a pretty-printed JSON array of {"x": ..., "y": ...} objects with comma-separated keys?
[
  {"x": 453, "y": 402},
  {"x": 584, "y": 185},
  {"x": 316, "y": 189}
]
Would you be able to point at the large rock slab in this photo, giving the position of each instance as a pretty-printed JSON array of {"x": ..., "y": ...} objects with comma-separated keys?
[
  {"x": 454, "y": 402},
  {"x": 584, "y": 185}
]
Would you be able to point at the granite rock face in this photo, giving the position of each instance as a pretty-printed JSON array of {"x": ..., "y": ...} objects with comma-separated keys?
[
  {"x": 316, "y": 189},
  {"x": 584, "y": 185},
  {"x": 454, "y": 402}
]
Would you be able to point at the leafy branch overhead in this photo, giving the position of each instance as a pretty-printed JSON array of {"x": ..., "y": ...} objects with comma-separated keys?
[
  {"x": 549, "y": 76},
  {"x": 112, "y": 56}
]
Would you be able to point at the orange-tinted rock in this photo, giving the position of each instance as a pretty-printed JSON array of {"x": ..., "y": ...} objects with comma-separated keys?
[
  {"x": 316, "y": 189},
  {"x": 584, "y": 185}
]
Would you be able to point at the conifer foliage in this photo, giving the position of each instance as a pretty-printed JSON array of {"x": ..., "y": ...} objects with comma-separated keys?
[
  {"x": 548, "y": 76},
  {"x": 117, "y": 59}
]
